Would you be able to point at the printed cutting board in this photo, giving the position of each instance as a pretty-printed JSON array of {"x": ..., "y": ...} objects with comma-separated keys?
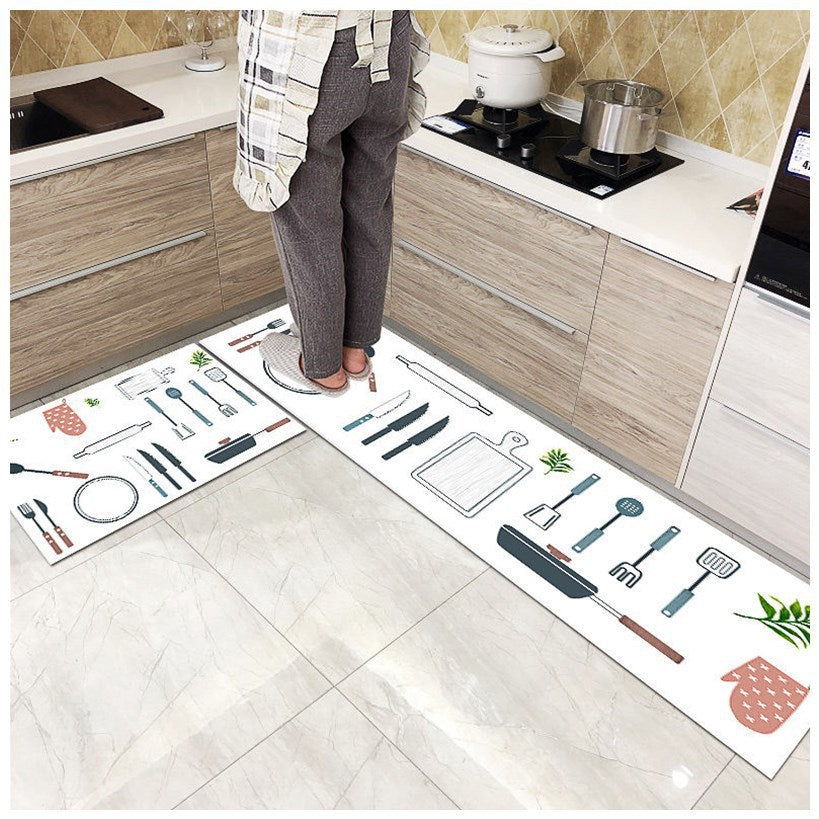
[
  {"x": 90, "y": 463},
  {"x": 688, "y": 610}
]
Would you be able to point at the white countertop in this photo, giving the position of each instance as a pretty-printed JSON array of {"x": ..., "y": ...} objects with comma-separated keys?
[{"x": 679, "y": 213}]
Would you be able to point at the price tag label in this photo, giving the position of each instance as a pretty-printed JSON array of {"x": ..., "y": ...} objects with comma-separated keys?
[{"x": 799, "y": 160}]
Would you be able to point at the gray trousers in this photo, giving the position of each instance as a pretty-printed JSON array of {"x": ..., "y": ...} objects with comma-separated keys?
[{"x": 334, "y": 233}]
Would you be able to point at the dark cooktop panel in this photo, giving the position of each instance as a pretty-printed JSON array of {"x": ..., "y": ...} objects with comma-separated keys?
[{"x": 558, "y": 153}]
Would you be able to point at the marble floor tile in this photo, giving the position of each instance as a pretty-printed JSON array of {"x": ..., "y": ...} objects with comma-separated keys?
[
  {"x": 140, "y": 675},
  {"x": 29, "y": 569},
  {"x": 504, "y": 706},
  {"x": 329, "y": 756},
  {"x": 335, "y": 560},
  {"x": 741, "y": 787}
]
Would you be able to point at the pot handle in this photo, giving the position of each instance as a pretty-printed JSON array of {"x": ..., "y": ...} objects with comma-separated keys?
[
  {"x": 658, "y": 113},
  {"x": 552, "y": 54}
]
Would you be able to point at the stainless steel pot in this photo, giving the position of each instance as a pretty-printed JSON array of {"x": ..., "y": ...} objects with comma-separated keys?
[{"x": 620, "y": 116}]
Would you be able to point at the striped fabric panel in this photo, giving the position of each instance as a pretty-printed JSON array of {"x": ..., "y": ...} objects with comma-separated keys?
[{"x": 281, "y": 60}]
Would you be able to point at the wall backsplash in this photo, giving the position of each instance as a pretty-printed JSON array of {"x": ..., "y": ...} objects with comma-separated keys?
[
  {"x": 729, "y": 74},
  {"x": 46, "y": 39}
]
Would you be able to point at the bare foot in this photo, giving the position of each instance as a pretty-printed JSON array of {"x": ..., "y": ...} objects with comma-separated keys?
[{"x": 354, "y": 359}]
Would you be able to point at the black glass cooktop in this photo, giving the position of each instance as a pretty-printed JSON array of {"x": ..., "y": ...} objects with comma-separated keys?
[{"x": 548, "y": 145}]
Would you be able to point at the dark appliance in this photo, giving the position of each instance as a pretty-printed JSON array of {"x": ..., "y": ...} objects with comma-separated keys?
[
  {"x": 780, "y": 262},
  {"x": 549, "y": 145}
]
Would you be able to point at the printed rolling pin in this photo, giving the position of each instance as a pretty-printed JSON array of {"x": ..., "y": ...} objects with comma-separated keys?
[
  {"x": 111, "y": 440},
  {"x": 445, "y": 386}
]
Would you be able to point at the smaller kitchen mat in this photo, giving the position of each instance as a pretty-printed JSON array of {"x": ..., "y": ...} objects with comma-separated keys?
[
  {"x": 709, "y": 624},
  {"x": 90, "y": 463}
]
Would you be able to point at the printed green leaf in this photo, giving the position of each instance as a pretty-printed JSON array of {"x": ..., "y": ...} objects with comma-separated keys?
[
  {"x": 791, "y": 623},
  {"x": 770, "y": 611},
  {"x": 557, "y": 460},
  {"x": 200, "y": 359},
  {"x": 92, "y": 402}
]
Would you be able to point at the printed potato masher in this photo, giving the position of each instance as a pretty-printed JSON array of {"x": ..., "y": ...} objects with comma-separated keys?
[
  {"x": 626, "y": 507},
  {"x": 715, "y": 563}
]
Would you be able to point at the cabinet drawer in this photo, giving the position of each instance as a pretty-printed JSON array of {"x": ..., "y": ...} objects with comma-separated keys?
[
  {"x": 81, "y": 217},
  {"x": 248, "y": 261},
  {"x": 536, "y": 360},
  {"x": 76, "y": 324},
  {"x": 650, "y": 349},
  {"x": 753, "y": 476},
  {"x": 547, "y": 261},
  {"x": 764, "y": 372}
]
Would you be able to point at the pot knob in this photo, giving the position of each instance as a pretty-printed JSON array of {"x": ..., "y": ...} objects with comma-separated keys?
[
  {"x": 527, "y": 150},
  {"x": 503, "y": 141},
  {"x": 479, "y": 92}
]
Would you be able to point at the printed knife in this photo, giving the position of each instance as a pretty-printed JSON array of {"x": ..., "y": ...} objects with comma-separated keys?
[
  {"x": 172, "y": 459},
  {"x": 381, "y": 409},
  {"x": 398, "y": 423},
  {"x": 158, "y": 466},
  {"x": 143, "y": 473},
  {"x": 418, "y": 439}
]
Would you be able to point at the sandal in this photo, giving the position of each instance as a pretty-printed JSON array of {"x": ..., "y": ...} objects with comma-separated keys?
[
  {"x": 361, "y": 375},
  {"x": 282, "y": 355}
]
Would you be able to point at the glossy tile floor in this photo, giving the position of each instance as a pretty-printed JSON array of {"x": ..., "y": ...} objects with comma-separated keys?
[{"x": 293, "y": 635}]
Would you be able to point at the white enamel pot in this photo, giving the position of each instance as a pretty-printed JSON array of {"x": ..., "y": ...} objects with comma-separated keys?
[{"x": 510, "y": 66}]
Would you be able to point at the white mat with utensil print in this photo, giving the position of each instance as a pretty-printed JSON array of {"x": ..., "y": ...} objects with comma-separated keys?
[
  {"x": 93, "y": 461},
  {"x": 710, "y": 625}
]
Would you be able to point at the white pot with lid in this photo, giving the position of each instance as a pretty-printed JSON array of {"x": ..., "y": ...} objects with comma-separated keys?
[{"x": 510, "y": 66}]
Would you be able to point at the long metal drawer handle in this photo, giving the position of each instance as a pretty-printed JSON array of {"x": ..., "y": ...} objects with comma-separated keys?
[
  {"x": 515, "y": 302},
  {"x": 96, "y": 268},
  {"x": 669, "y": 260},
  {"x": 780, "y": 303},
  {"x": 101, "y": 159},
  {"x": 762, "y": 428}
]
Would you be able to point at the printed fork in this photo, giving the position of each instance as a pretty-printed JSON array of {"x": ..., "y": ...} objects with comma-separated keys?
[{"x": 27, "y": 512}]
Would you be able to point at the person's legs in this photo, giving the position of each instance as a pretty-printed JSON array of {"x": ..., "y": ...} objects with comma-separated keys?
[
  {"x": 308, "y": 227},
  {"x": 370, "y": 147}
]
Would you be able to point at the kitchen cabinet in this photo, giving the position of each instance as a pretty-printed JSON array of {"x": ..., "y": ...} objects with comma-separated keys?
[
  {"x": 764, "y": 369},
  {"x": 67, "y": 222},
  {"x": 652, "y": 340},
  {"x": 248, "y": 261},
  {"x": 541, "y": 258},
  {"x": 754, "y": 476},
  {"x": 538, "y": 360},
  {"x": 81, "y": 322}
]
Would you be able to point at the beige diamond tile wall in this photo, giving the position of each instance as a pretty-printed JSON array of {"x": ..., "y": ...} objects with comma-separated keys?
[{"x": 729, "y": 73}]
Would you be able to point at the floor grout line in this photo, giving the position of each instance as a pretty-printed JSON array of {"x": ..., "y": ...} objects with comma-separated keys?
[
  {"x": 397, "y": 748},
  {"x": 712, "y": 782}
]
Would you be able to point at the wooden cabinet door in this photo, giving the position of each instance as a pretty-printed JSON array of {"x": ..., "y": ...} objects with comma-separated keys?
[
  {"x": 70, "y": 221},
  {"x": 84, "y": 322},
  {"x": 537, "y": 360},
  {"x": 545, "y": 260},
  {"x": 248, "y": 261},
  {"x": 650, "y": 348}
]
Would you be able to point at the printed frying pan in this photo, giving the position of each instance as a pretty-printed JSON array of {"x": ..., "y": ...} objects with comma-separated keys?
[
  {"x": 231, "y": 447},
  {"x": 552, "y": 568}
]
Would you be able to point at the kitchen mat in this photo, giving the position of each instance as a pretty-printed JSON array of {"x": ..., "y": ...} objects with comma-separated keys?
[
  {"x": 710, "y": 625},
  {"x": 96, "y": 460}
]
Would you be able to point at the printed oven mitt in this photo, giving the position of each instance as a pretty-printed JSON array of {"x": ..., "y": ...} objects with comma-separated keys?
[
  {"x": 763, "y": 696},
  {"x": 63, "y": 418}
]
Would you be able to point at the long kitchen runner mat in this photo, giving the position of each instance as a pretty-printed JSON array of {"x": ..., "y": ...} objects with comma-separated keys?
[
  {"x": 96, "y": 460},
  {"x": 710, "y": 625}
]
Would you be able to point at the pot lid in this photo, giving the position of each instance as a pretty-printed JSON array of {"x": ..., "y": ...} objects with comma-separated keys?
[
  {"x": 510, "y": 39},
  {"x": 623, "y": 92}
]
